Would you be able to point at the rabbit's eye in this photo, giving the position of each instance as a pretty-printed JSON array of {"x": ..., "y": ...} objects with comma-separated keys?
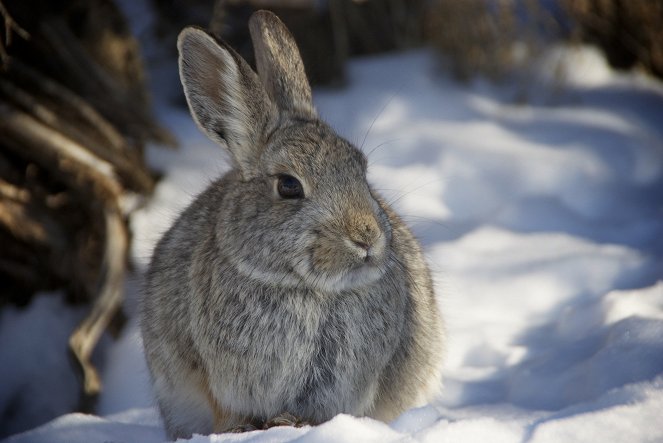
[{"x": 289, "y": 187}]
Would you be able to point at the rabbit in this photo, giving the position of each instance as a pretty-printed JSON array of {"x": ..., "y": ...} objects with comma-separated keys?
[{"x": 288, "y": 286}]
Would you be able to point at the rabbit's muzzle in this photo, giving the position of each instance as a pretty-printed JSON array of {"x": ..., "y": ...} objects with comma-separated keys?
[{"x": 348, "y": 252}]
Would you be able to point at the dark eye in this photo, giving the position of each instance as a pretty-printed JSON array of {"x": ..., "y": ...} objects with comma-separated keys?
[{"x": 289, "y": 187}]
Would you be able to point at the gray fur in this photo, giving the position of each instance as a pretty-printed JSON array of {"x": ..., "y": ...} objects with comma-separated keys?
[{"x": 255, "y": 305}]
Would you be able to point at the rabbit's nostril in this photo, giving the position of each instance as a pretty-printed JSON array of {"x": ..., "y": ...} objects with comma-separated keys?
[{"x": 361, "y": 244}]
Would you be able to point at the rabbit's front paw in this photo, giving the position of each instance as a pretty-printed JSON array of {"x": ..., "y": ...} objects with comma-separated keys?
[
  {"x": 285, "y": 419},
  {"x": 246, "y": 427}
]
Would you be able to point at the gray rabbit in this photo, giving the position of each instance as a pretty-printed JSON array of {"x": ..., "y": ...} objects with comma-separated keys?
[{"x": 289, "y": 285}]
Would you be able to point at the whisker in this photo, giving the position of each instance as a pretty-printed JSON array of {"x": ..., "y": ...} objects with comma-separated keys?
[
  {"x": 388, "y": 102},
  {"x": 425, "y": 219},
  {"x": 405, "y": 193},
  {"x": 368, "y": 154}
]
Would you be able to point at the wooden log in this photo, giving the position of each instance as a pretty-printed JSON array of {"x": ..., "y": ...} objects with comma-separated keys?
[
  {"x": 80, "y": 110},
  {"x": 71, "y": 162},
  {"x": 126, "y": 162}
]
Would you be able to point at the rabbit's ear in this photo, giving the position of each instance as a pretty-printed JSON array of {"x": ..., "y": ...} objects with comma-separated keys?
[
  {"x": 225, "y": 96},
  {"x": 279, "y": 64}
]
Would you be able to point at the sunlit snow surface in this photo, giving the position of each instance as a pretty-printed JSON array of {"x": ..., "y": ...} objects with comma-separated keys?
[{"x": 543, "y": 225}]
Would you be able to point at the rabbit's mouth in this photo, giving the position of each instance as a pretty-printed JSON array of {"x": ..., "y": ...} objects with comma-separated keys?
[{"x": 364, "y": 273}]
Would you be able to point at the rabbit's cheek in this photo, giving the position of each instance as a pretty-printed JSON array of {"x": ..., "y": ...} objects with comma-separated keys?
[{"x": 326, "y": 258}]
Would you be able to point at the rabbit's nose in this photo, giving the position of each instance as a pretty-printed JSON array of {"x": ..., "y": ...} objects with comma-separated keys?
[
  {"x": 364, "y": 234},
  {"x": 361, "y": 244}
]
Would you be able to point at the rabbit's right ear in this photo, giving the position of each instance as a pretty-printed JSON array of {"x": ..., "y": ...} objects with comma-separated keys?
[
  {"x": 225, "y": 97},
  {"x": 280, "y": 65}
]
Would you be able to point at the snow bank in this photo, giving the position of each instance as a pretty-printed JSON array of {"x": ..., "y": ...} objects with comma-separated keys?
[
  {"x": 33, "y": 351},
  {"x": 543, "y": 228}
]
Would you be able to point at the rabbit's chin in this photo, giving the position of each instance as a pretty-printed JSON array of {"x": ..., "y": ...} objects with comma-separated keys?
[
  {"x": 353, "y": 278},
  {"x": 304, "y": 278}
]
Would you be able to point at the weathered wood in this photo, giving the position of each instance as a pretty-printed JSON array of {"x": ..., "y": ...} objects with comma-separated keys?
[
  {"x": 126, "y": 162},
  {"x": 81, "y": 111},
  {"x": 75, "y": 165},
  {"x": 24, "y": 220},
  {"x": 86, "y": 336},
  {"x": 35, "y": 250},
  {"x": 102, "y": 91}
]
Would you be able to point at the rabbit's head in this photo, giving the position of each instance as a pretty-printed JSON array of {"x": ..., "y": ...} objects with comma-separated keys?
[{"x": 297, "y": 209}]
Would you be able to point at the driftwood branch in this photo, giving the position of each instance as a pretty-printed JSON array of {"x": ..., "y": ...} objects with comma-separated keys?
[{"x": 83, "y": 341}]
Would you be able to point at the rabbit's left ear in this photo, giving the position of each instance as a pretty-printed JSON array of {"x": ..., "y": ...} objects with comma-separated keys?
[
  {"x": 280, "y": 66},
  {"x": 226, "y": 98}
]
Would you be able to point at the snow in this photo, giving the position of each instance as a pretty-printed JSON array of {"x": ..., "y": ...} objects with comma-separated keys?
[
  {"x": 42, "y": 330},
  {"x": 542, "y": 223}
]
